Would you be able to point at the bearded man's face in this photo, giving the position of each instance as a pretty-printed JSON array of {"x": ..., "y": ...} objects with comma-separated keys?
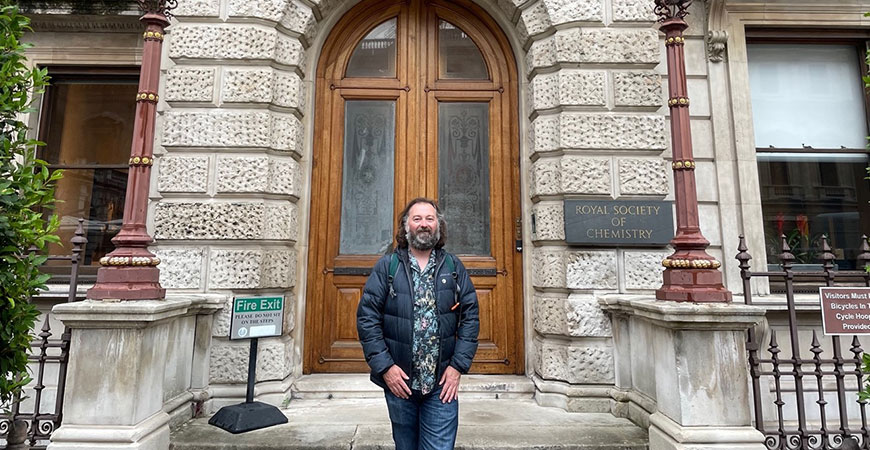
[{"x": 421, "y": 228}]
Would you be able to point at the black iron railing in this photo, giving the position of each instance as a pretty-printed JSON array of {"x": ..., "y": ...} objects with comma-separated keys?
[
  {"x": 46, "y": 351},
  {"x": 819, "y": 377}
]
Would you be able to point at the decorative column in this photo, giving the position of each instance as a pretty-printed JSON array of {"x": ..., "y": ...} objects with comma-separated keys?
[
  {"x": 691, "y": 275},
  {"x": 130, "y": 271}
]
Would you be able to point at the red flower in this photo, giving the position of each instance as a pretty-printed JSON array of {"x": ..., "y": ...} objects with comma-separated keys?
[
  {"x": 803, "y": 225},
  {"x": 780, "y": 224}
]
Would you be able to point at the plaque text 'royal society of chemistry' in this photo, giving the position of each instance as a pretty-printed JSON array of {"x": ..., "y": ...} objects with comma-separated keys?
[{"x": 618, "y": 222}]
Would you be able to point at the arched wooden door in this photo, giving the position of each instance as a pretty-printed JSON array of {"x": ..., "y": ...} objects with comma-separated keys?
[{"x": 414, "y": 98}]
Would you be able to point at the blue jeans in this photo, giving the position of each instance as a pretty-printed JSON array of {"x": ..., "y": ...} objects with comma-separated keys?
[{"x": 422, "y": 422}]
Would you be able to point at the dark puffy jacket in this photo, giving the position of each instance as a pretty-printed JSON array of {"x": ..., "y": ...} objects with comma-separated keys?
[{"x": 386, "y": 323}]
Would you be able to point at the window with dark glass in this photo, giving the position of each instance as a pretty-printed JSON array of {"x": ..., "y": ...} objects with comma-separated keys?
[
  {"x": 86, "y": 123},
  {"x": 810, "y": 121}
]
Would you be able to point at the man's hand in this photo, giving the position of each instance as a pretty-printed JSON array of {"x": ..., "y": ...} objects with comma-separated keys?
[
  {"x": 449, "y": 385},
  {"x": 394, "y": 377}
]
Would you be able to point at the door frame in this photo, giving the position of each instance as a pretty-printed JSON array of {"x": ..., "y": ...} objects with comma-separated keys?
[{"x": 335, "y": 51}]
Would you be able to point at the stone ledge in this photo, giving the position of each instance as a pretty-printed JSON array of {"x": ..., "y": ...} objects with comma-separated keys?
[
  {"x": 748, "y": 436},
  {"x": 96, "y": 314},
  {"x": 685, "y": 315},
  {"x": 84, "y": 436}
]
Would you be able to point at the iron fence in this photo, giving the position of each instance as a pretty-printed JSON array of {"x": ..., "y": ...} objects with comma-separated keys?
[
  {"x": 793, "y": 424},
  {"x": 38, "y": 425}
]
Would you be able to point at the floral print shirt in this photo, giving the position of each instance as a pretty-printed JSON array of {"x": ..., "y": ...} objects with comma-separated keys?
[{"x": 425, "y": 348}]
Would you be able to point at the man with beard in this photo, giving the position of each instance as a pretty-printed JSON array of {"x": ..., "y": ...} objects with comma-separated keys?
[{"x": 418, "y": 323}]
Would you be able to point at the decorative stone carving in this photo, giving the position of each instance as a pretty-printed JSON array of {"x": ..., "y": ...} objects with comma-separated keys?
[
  {"x": 228, "y": 361},
  {"x": 235, "y": 220},
  {"x": 289, "y": 51},
  {"x": 607, "y": 45},
  {"x": 298, "y": 18},
  {"x": 574, "y": 363},
  {"x": 281, "y": 221},
  {"x": 546, "y": 177},
  {"x": 261, "y": 9},
  {"x": 643, "y": 270},
  {"x": 633, "y": 11},
  {"x": 242, "y": 173},
  {"x": 541, "y": 54},
  {"x": 536, "y": 18},
  {"x": 585, "y": 318},
  {"x": 716, "y": 42},
  {"x": 591, "y": 270},
  {"x": 286, "y": 133},
  {"x": 189, "y": 85},
  {"x": 247, "y": 85},
  {"x": 544, "y": 133},
  {"x": 549, "y": 222},
  {"x": 197, "y": 8},
  {"x": 568, "y": 87},
  {"x": 548, "y": 268},
  {"x": 585, "y": 175},
  {"x": 287, "y": 90},
  {"x": 216, "y": 128},
  {"x": 182, "y": 174},
  {"x": 234, "y": 269},
  {"x": 637, "y": 89},
  {"x": 274, "y": 358},
  {"x": 608, "y": 131},
  {"x": 548, "y": 314},
  {"x": 222, "y": 42},
  {"x": 180, "y": 267},
  {"x": 643, "y": 176},
  {"x": 564, "y": 11},
  {"x": 285, "y": 176}
]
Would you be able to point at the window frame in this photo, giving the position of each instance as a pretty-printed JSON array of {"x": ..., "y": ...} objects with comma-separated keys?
[{"x": 66, "y": 73}]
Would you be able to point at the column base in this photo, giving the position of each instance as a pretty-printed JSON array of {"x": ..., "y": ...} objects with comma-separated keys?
[
  {"x": 665, "y": 434},
  {"x": 149, "y": 434},
  {"x": 127, "y": 283},
  {"x": 693, "y": 285}
]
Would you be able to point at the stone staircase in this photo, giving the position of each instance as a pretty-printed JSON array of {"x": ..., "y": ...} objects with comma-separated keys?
[{"x": 340, "y": 412}]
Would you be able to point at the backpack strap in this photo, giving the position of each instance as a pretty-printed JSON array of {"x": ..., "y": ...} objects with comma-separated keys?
[
  {"x": 451, "y": 265},
  {"x": 394, "y": 266}
]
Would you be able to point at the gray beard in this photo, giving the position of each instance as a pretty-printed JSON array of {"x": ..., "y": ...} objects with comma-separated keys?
[{"x": 423, "y": 240}]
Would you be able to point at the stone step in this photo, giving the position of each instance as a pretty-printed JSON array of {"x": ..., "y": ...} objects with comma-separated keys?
[
  {"x": 326, "y": 386},
  {"x": 363, "y": 424}
]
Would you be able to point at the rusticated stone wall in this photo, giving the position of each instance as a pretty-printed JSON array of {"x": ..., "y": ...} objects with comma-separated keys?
[{"x": 232, "y": 173}]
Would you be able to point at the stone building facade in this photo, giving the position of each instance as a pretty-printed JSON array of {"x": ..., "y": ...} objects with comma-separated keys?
[{"x": 231, "y": 189}]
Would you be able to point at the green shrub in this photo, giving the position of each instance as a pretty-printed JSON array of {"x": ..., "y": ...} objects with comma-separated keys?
[{"x": 26, "y": 190}]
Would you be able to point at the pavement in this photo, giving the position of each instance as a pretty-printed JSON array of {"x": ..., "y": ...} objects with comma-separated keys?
[{"x": 363, "y": 424}]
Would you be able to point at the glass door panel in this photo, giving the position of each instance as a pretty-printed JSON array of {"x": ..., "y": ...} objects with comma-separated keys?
[
  {"x": 375, "y": 55},
  {"x": 463, "y": 175},
  {"x": 458, "y": 55},
  {"x": 367, "y": 177}
]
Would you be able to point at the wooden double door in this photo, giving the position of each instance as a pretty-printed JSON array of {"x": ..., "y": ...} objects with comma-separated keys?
[{"x": 414, "y": 99}]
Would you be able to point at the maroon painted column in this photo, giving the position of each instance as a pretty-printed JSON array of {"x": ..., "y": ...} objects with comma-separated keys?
[
  {"x": 130, "y": 271},
  {"x": 691, "y": 275}
]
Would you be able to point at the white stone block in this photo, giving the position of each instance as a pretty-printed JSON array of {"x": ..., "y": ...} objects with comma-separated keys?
[
  {"x": 544, "y": 133},
  {"x": 541, "y": 54},
  {"x": 607, "y": 46},
  {"x": 548, "y": 265},
  {"x": 289, "y": 51},
  {"x": 198, "y": 8},
  {"x": 285, "y": 176},
  {"x": 581, "y": 175},
  {"x": 536, "y": 18},
  {"x": 286, "y": 134},
  {"x": 182, "y": 174},
  {"x": 236, "y": 220},
  {"x": 242, "y": 173},
  {"x": 643, "y": 176},
  {"x": 274, "y": 358},
  {"x": 591, "y": 270},
  {"x": 643, "y": 269},
  {"x": 548, "y": 314},
  {"x": 708, "y": 216},
  {"x": 699, "y": 97},
  {"x": 549, "y": 220},
  {"x": 217, "y": 129},
  {"x": 707, "y": 181},
  {"x": 245, "y": 85},
  {"x": 229, "y": 361},
  {"x": 568, "y": 87},
  {"x": 185, "y": 84},
  {"x": 287, "y": 90},
  {"x": 546, "y": 177},
  {"x": 565, "y": 11},
  {"x": 637, "y": 89},
  {"x": 180, "y": 267},
  {"x": 278, "y": 269},
  {"x": 575, "y": 363},
  {"x": 260, "y": 9},
  {"x": 608, "y": 131},
  {"x": 281, "y": 222},
  {"x": 585, "y": 318},
  {"x": 222, "y": 41},
  {"x": 234, "y": 269},
  {"x": 299, "y": 18},
  {"x": 633, "y": 11}
]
